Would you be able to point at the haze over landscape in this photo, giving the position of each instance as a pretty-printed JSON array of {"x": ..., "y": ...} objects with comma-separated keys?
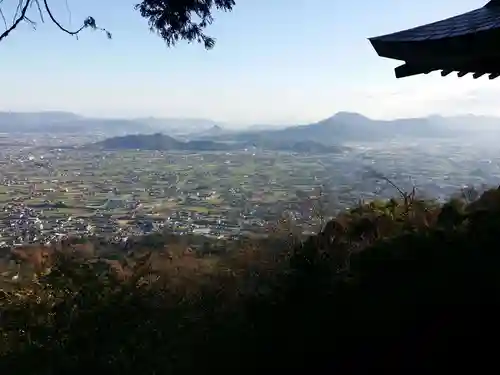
[
  {"x": 279, "y": 201},
  {"x": 306, "y": 61},
  {"x": 297, "y": 89}
]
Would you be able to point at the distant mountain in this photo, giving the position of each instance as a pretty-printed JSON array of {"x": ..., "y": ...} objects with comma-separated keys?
[
  {"x": 337, "y": 129},
  {"x": 468, "y": 123},
  {"x": 159, "y": 142},
  {"x": 179, "y": 126},
  {"x": 167, "y": 143},
  {"x": 67, "y": 122},
  {"x": 260, "y": 127},
  {"x": 348, "y": 127},
  {"x": 214, "y": 131},
  {"x": 33, "y": 121},
  {"x": 28, "y": 118}
]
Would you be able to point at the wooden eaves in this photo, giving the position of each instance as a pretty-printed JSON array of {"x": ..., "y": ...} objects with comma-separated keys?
[{"x": 468, "y": 43}]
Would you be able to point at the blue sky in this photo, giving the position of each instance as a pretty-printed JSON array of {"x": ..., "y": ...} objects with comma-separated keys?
[{"x": 275, "y": 61}]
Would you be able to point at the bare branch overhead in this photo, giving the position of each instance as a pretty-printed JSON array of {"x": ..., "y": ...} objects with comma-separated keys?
[{"x": 172, "y": 20}]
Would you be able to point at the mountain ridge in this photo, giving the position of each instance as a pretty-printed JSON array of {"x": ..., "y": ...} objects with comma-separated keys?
[
  {"x": 58, "y": 122},
  {"x": 350, "y": 126},
  {"x": 341, "y": 127},
  {"x": 162, "y": 142}
]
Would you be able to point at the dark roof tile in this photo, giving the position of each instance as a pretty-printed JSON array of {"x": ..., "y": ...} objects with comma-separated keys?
[{"x": 482, "y": 19}]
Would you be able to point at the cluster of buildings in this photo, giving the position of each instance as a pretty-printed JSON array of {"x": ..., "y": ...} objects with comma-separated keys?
[{"x": 20, "y": 223}]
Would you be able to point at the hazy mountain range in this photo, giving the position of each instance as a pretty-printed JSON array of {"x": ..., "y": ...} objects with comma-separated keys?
[
  {"x": 342, "y": 127},
  {"x": 66, "y": 122},
  {"x": 347, "y": 126}
]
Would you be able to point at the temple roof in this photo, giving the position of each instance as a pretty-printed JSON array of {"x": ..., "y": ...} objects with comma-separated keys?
[{"x": 467, "y": 43}]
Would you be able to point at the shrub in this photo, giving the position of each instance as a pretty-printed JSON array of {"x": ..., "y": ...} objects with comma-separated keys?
[{"x": 393, "y": 285}]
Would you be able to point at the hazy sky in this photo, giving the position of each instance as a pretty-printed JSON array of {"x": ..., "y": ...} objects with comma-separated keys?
[{"x": 275, "y": 61}]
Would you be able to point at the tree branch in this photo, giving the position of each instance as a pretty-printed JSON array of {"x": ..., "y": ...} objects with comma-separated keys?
[
  {"x": 40, "y": 13},
  {"x": 89, "y": 22},
  {"x": 3, "y": 18},
  {"x": 172, "y": 20},
  {"x": 52, "y": 18},
  {"x": 22, "y": 15}
]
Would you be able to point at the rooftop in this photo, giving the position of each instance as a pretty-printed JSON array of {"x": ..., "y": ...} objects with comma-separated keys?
[{"x": 462, "y": 43}]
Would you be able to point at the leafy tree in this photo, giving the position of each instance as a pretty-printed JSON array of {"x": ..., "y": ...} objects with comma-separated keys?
[{"x": 172, "y": 20}]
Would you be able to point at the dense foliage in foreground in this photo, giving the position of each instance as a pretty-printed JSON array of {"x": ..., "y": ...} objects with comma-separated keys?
[{"x": 395, "y": 285}]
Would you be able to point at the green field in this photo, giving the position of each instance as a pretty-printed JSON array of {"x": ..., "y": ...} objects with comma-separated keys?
[{"x": 163, "y": 183}]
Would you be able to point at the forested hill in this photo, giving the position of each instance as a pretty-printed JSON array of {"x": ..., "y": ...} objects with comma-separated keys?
[{"x": 163, "y": 142}]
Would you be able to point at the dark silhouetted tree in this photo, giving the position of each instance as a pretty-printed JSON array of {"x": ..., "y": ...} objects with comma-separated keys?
[{"x": 172, "y": 20}]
